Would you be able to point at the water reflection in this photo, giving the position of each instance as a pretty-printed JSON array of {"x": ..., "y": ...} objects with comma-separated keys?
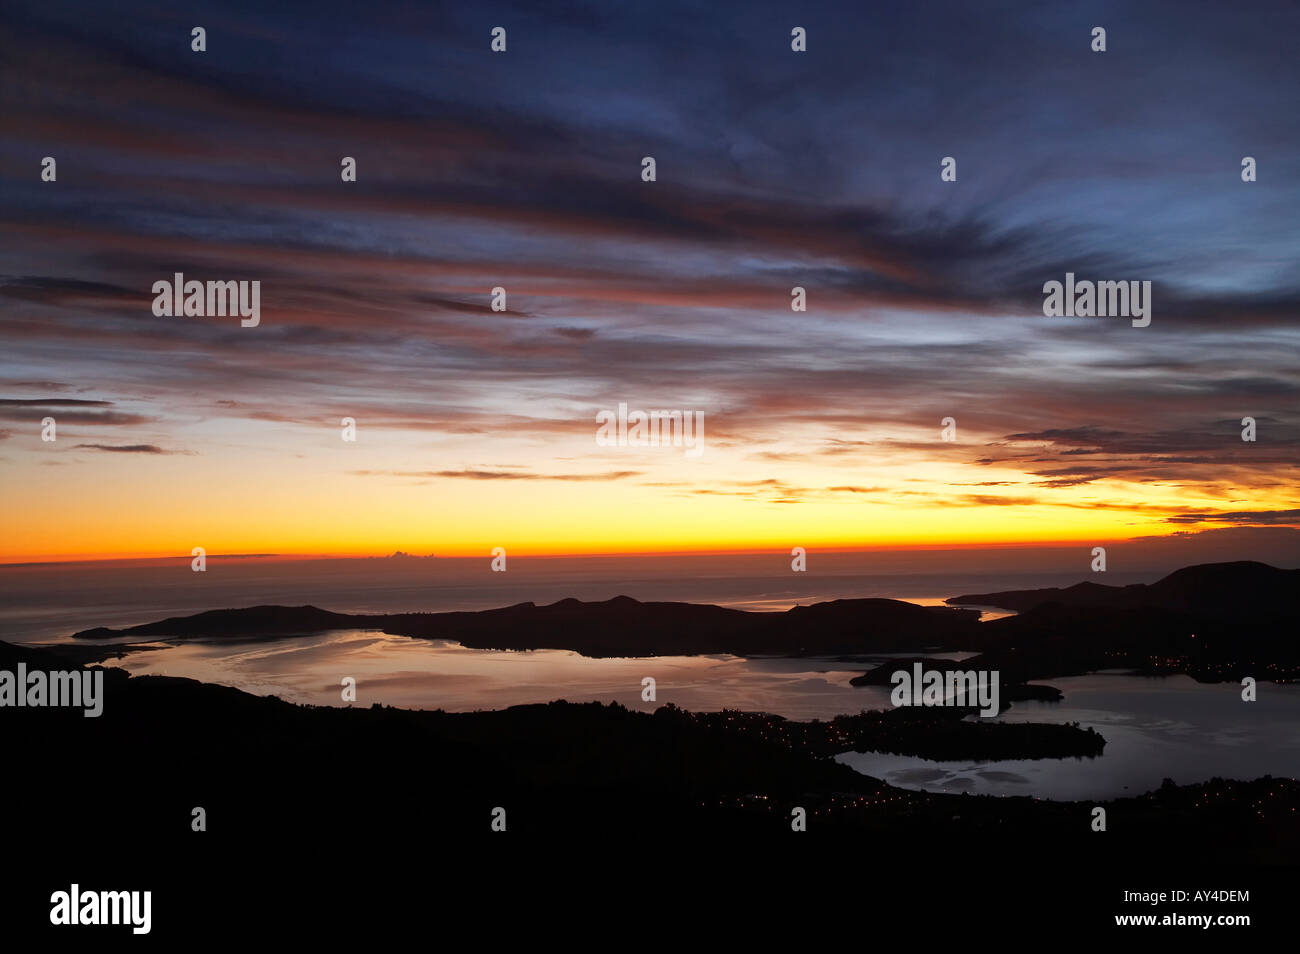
[
  {"x": 436, "y": 674},
  {"x": 1155, "y": 729}
]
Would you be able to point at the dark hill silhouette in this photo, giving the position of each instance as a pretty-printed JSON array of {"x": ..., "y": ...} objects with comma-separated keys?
[
  {"x": 1213, "y": 621},
  {"x": 252, "y": 621},
  {"x": 1243, "y": 588},
  {"x": 620, "y": 626},
  {"x": 269, "y": 772}
]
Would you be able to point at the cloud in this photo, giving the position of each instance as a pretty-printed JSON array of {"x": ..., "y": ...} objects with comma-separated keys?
[
  {"x": 1241, "y": 517},
  {"x": 29, "y": 411},
  {"x": 990, "y": 500},
  {"x": 500, "y": 475},
  {"x": 52, "y": 402},
  {"x": 924, "y": 300},
  {"x": 129, "y": 448}
]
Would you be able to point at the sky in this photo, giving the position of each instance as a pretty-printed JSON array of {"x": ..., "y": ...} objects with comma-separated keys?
[{"x": 522, "y": 170}]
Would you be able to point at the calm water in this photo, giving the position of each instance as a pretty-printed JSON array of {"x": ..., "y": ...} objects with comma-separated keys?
[
  {"x": 1172, "y": 727},
  {"x": 437, "y": 674},
  {"x": 1154, "y": 728}
]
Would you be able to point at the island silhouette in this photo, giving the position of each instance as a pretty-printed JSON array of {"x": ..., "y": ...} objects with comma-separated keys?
[{"x": 275, "y": 770}]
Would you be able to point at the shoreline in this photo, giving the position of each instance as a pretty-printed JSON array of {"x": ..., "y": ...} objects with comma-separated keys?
[{"x": 630, "y": 771}]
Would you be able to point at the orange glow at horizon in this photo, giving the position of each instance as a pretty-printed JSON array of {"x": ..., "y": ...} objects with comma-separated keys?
[
  {"x": 325, "y": 498},
  {"x": 564, "y": 520}
]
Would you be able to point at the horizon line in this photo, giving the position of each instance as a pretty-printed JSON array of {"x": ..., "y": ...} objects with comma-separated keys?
[{"x": 289, "y": 556}]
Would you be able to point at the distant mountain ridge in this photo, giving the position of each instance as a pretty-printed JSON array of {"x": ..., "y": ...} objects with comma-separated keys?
[
  {"x": 1240, "y": 588},
  {"x": 621, "y": 626},
  {"x": 1213, "y": 621}
]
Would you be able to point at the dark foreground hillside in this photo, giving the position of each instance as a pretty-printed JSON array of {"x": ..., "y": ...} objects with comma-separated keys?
[
  {"x": 375, "y": 824},
  {"x": 267, "y": 771}
]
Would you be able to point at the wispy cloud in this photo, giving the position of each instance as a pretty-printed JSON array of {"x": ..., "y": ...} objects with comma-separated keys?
[{"x": 129, "y": 449}]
